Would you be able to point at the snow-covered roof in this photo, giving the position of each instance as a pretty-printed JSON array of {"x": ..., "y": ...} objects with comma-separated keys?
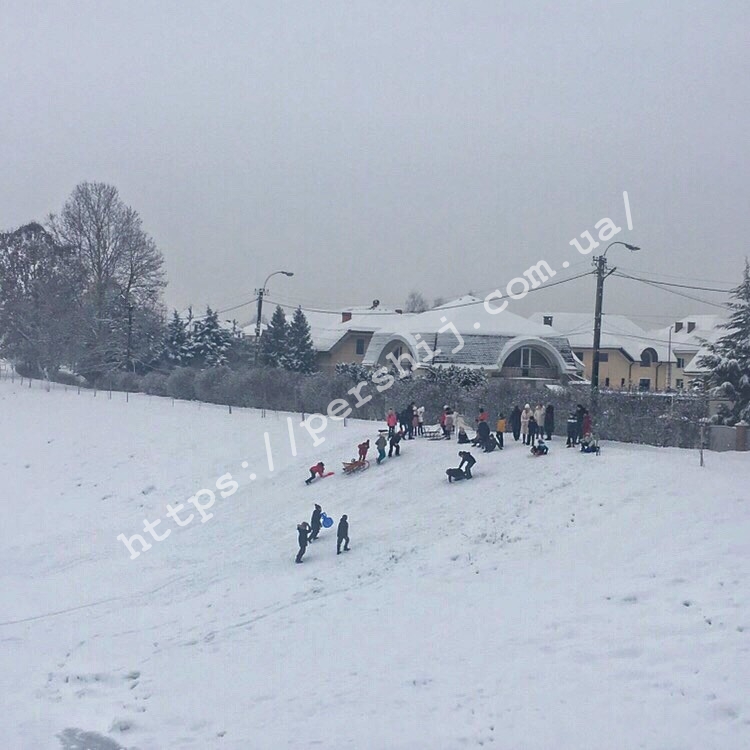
[
  {"x": 618, "y": 332},
  {"x": 467, "y": 311},
  {"x": 694, "y": 331}
]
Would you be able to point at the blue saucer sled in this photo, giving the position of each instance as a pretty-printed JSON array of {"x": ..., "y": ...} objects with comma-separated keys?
[{"x": 327, "y": 521}]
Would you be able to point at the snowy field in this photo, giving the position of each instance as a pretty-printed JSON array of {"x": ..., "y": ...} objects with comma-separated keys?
[{"x": 562, "y": 603}]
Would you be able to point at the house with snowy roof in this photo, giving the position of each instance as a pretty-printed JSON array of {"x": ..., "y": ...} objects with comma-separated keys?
[
  {"x": 462, "y": 333},
  {"x": 632, "y": 358},
  {"x": 688, "y": 340},
  {"x": 629, "y": 357}
]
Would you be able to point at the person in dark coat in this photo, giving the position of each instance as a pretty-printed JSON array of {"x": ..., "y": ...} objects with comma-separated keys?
[
  {"x": 490, "y": 443},
  {"x": 533, "y": 429},
  {"x": 342, "y": 535},
  {"x": 394, "y": 443},
  {"x": 515, "y": 423},
  {"x": 469, "y": 460},
  {"x": 572, "y": 425},
  {"x": 463, "y": 438},
  {"x": 315, "y": 522},
  {"x": 549, "y": 421},
  {"x": 483, "y": 434},
  {"x": 302, "y": 531}
]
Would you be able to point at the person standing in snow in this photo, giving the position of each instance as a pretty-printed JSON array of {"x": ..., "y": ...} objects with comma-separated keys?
[
  {"x": 572, "y": 426},
  {"x": 342, "y": 534},
  {"x": 587, "y": 423},
  {"x": 549, "y": 421},
  {"x": 315, "y": 522},
  {"x": 362, "y": 449},
  {"x": 420, "y": 420},
  {"x": 526, "y": 415},
  {"x": 500, "y": 431},
  {"x": 533, "y": 429},
  {"x": 449, "y": 422},
  {"x": 317, "y": 470},
  {"x": 515, "y": 423},
  {"x": 395, "y": 444},
  {"x": 391, "y": 420},
  {"x": 483, "y": 435},
  {"x": 302, "y": 533},
  {"x": 483, "y": 415},
  {"x": 469, "y": 460},
  {"x": 539, "y": 417},
  {"x": 380, "y": 444},
  {"x": 580, "y": 411}
]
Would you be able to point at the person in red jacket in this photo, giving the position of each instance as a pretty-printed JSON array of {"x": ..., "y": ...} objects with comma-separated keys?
[
  {"x": 317, "y": 470},
  {"x": 363, "y": 448},
  {"x": 391, "y": 420},
  {"x": 587, "y": 424}
]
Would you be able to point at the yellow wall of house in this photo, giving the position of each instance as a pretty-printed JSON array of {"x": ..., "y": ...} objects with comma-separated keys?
[
  {"x": 344, "y": 351},
  {"x": 624, "y": 374}
]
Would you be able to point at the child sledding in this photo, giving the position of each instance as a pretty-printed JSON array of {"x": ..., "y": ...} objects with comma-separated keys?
[
  {"x": 539, "y": 448},
  {"x": 590, "y": 444}
]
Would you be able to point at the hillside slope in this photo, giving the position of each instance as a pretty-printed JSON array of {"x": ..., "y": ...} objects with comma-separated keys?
[{"x": 565, "y": 602}]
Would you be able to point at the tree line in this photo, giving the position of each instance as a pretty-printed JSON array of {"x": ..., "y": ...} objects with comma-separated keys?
[{"x": 82, "y": 292}]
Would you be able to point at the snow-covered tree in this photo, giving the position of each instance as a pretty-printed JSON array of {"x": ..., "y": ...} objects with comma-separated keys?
[
  {"x": 273, "y": 342},
  {"x": 729, "y": 357},
  {"x": 300, "y": 354},
  {"x": 177, "y": 345},
  {"x": 209, "y": 342}
]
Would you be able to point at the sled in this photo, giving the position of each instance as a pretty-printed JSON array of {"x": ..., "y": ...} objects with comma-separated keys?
[
  {"x": 327, "y": 521},
  {"x": 435, "y": 432},
  {"x": 351, "y": 467}
]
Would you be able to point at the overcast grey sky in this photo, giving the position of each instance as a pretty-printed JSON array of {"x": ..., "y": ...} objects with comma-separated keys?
[{"x": 376, "y": 147}]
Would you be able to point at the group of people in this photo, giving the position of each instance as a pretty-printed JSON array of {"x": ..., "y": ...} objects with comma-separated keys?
[
  {"x": 409, "y": 420},
  {"x": 579, "y": 426},
  {"x": 528, "y": 423},
  {"x": 308, "y": 532}
]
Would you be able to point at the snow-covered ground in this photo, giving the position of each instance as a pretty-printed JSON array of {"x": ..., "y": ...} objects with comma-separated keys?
[{"x": 560, "y": 603}]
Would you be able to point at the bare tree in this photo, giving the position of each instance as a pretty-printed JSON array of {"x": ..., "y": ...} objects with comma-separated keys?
[
  {"x": 123, "y": 269},
  {"x": 415, "y": 303}
]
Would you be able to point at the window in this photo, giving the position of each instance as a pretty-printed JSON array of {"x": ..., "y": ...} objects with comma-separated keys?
[
  {"x": 680, "y": 363},
  {"x": 604, "y": 356},
  {"x": 579, "y": 355},
  {"x": 622, "y": 382},
  {"x": 680, "y": 383},
  {"x": 644, "y": 384},
  {"x": 649, "y": 357},
  {"x": 360, "y": 346},
  {"x": 606, "y": 382}
]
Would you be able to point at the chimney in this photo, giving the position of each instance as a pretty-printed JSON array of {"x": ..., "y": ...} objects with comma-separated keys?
[
  {"x": 346, "y": 317},
  {"x": 678, "y": 326},
  {"x": 691, "y": 326},
  {"x": 548, "y": 320}
]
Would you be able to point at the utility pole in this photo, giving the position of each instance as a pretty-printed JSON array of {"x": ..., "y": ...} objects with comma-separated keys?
[
  {"x": 261, "y": 292},
  {"x": 669, "y": 362},
  {"x": 130, "y": 336},
  {"x": 600, "y": 264}
]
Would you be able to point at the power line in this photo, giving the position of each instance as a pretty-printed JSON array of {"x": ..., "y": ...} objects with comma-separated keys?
[
  {"x": 681, "y": 286},
  {"x": 672, "y": 291},
  {"x": 446, "y": 307}
]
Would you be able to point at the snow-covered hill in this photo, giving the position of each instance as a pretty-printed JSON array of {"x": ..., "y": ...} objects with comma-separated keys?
[{"x": 568, "y": 602}]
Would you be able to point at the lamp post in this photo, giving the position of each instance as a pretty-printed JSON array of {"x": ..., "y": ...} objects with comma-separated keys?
[
  {"x": 261, "y": 292},
  {"x": 600, "y": 263}
]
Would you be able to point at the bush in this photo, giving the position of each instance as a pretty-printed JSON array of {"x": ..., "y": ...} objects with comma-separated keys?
[
  {"x": 180, "y": 383},
  {"x": 209, "y": 385},
  {"x": 155, "y": 384}
]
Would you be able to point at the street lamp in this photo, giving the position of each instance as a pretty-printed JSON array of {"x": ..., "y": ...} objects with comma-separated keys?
[
  {"x": 260, "y": 292},
  {"x": 600, "y": 263}
]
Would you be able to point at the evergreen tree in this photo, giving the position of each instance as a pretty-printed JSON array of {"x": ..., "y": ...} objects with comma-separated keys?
[
  {"x": 273, "y": 343},
  {"x": 729, "y": 357},
  {"x": 300, "y": 354},
  {"x": 177, "y": 349},
  {"x": 209, "y": 341}
]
